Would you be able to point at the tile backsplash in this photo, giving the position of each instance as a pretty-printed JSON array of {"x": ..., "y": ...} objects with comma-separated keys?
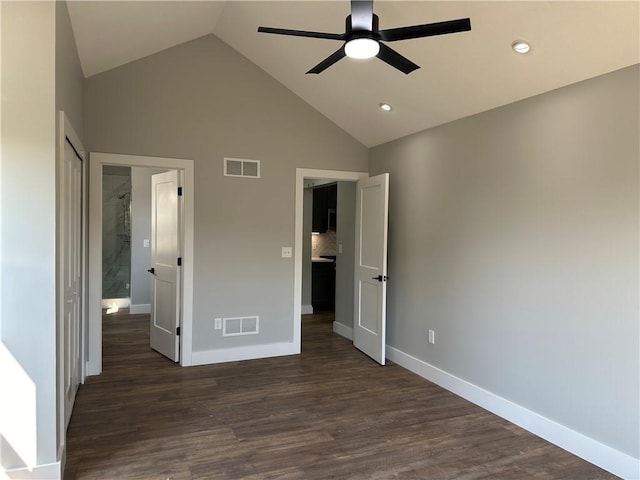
[{"x": 324, "y": 244}]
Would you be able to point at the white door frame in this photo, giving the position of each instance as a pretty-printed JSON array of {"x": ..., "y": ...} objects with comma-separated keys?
[
  {"x": 66, "y": 131},
  {"x": 301, "y": 175},
  {"x": 96, "y": 163}
]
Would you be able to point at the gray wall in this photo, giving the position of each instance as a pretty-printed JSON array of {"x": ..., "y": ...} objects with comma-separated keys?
[
  {"x": 141, "y": 230},
  {"x": 346, "y": 230},
  {"x": 204, "y": 101},
  {"x": 514, "y": 235},
  {"x": 34, "y": 86},
  {"x": 69, "y": 77},
  {"x": 307, "y": 222},
  {"x": 28, "y": 173}
]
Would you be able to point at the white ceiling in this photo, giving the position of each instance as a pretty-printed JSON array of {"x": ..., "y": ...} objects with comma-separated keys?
[{"x": 462, "y": 74}]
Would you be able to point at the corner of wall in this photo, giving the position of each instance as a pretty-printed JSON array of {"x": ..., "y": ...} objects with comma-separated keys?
[{"x": 587, "y": 448}]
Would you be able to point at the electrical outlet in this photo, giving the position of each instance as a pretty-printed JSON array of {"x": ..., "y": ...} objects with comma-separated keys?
[
  {"x": 339, "y": 248},
  {"x": 287, "y": 252},
  {"x": 432, "y": 337},
  {"x": 218, "y": 324}
]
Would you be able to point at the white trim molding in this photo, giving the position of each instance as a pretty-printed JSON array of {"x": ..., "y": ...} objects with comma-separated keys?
[
  {"x": 587, "y": 448},
  {"x": 66, "y": 133},
  {"x": 139, "y": 308},
  {"x": 307, "y": 309},
  {"x": 96, "y": 163},
  {"x": 250, "y": 352},
  {"x": 50, "y": 471},
  {"x": 343, "y": 330}
]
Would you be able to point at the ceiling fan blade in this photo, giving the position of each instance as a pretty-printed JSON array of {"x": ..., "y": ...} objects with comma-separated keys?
[
  {"x": 427, "y": 30},
  {"x": 396, "y": 60},
  {"x": 330, "y": 60},
  {"x": 362, "y": 15},
  {"x": 301, "y": 33}
]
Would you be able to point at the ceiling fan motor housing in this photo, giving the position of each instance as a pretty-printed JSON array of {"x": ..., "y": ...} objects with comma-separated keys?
[{"x": 351, "y": 34}]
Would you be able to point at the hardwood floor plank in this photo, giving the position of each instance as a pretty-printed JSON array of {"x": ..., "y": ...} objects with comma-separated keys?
[{"x": 329, "y": 413}]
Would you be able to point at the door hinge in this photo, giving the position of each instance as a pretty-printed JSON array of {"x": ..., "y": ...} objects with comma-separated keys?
[
  {"x": 179, "y": 261},
  {"x": 178, "y": 331},
  {"x": 179, "y": 191}
]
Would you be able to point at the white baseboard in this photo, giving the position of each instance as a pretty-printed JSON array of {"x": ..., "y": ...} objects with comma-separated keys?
[
  {"x": 342, "y": 329},
  {"x": 306, "y": 309},
  {"x": 62, "y": 455},
  {"x": 50, "y": 471},
  {"x": 139, "y": 308},
  {"x": 90, "y": 370},
  {"x": 244, "y": 353},
  {"x": 591, "y": 450}
]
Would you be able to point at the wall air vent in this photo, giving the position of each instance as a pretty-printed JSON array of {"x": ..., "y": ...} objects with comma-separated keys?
[
  {"x": 235, "y": 326},
  {"x": 238, "y": 167}
]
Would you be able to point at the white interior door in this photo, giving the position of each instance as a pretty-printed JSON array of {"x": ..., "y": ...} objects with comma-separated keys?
[
  {"x": 72, "y": 245},
  {"x": 370, "y": 293},
  {"x": 165, "y": 259}
]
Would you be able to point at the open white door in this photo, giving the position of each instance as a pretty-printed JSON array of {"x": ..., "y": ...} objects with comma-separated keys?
[
  {"x": 370, "y": 293},
  {"x": 72, "y": 271},
  {"x": 165, "y": 260}
]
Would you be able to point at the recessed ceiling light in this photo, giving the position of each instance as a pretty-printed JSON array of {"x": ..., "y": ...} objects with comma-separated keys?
[
  {"x": 386, "y": 107},
  {"x": 520, "y": 46}
]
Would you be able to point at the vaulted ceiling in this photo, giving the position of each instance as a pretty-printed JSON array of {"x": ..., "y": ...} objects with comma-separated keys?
[{"x": 462, "y": 74}]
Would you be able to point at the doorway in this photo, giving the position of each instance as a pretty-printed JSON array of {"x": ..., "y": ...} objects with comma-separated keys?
[
  {"x": 71, "y": 271},
  {"x": 97, "y": 163},
  {"x": 327, "y": 252},
  {"x": 134, "y": 268},
  {"x": 116, "y": 237},
  {"x": 304, "y": 178}
]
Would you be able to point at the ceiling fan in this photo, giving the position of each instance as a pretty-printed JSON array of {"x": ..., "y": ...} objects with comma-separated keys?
[{"x": 363, "y": 39}]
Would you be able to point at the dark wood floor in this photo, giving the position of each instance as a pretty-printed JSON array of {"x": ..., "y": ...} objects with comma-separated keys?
[{"x": 330, "y": 413}]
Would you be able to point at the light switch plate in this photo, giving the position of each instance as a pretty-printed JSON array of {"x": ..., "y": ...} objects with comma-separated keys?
[
  {"x": 146, "y": 243},
  {"x": 218, "y": 324},
  {"x": 287, "y": 252}
]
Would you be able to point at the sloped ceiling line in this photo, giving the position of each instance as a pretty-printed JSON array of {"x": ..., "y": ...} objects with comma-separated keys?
[{"x": 461, "y": 74}]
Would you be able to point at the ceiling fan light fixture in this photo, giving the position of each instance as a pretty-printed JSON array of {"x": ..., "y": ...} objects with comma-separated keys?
[
  {"x": 363, "y": 39},
  {"x": 520, "y": 46},
  {"x": 385, "y": 106},
  {"x": 362, "y": 48}
]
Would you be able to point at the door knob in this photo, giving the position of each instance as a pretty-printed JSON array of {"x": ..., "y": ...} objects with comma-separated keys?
[
  {"x": 152, "y": 271},
  {"x": 381, "y": 278}
]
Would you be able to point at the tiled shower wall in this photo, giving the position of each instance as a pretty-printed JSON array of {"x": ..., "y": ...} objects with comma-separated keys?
[{"x": 116, "y": 232}]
